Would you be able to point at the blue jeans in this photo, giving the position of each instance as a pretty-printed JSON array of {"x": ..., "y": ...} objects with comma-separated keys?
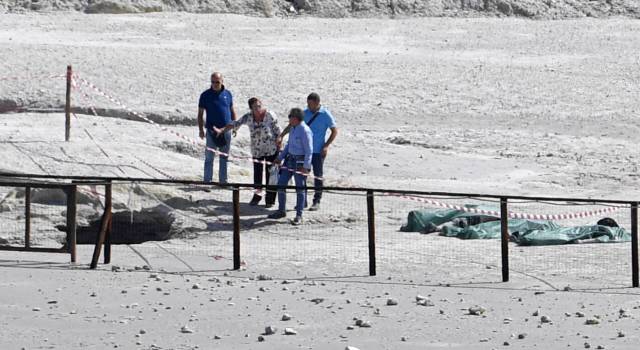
[
  {"x": 317, "y": 163},
  {"x": 283, "y": 180},
  {"x": 210, "y": 155}
]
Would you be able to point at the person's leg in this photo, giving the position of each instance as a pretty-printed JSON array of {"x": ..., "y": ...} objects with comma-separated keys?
[
  {"x": 208, "y": 158},
  {"x": 257, "y": 180},
  {"x": 283, "y": 180},
  {"x": 223, "y": 159},
  {"x": 318, "y": 163},
  {"x": 271, "y": 195},
  {"x": 300, "y": 193}
]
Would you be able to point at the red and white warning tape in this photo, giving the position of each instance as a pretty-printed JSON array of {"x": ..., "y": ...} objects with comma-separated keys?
[
  {"x": 512, "y": 215},
  {"x": 40, "y": 76},
  {"x": 184, "y": 137}
]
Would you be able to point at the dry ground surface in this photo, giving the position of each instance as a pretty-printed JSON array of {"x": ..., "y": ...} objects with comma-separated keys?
[{"x": 483, "y": 105}]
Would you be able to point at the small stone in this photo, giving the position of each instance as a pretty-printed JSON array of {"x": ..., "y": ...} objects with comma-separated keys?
[
  {"x": 153, "y": 275},
  {"x": 477, "y": 310},
  {"x": 217, "y": 337},
  {"x": 262, "y": 289},
  {"x": 392, "y": 302},
  {"x": 579, "y": 314},
  {"x": 425, "y": 302},
  {"x": 592, "y": 321},
  {"x": 538, "y": 293},
  {"x": 263, "y": 278},
  {"x": 536, "y": 313},
  {"x": 290, "y": 331},
  {"x": 621, "y": 334},
  {"x": 286, "y": 317},
  {"x": 350, "y": 327},
  {"x": 567, "y": 289},
  {"x": 545, "y": 319},
  {"x": 260, "y": 338},
  {"x": 365, "y": 324},
  {"x": 403, "y": 339},
  {"x": 587, "y": 346},
  {"x": 506, "y": 343},
  {"x": 269, "y": 330},
  {"x": 186, "y": 329},
  {"x": 317, "y": 300},
  {"x": 484, "y": 340},
  {"x": 351, "y": 348},
  {"x": 36, "y": 309},
  {"x": 600, "y": 347},
  {"x": 123, "y": 291},
  {"x": 522, "y": 335},
  {"x": 93, "y": 294},
  {"x": 52, "y": 302},
  {"x": 115, "y": 268},
  {"x": 142, "y": 331}
]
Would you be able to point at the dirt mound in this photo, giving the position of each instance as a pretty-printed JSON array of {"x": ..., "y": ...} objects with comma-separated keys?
[{"x": 346, "y": 8}]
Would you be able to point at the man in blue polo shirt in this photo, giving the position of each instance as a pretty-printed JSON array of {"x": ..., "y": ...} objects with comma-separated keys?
[
  {"x": 319, "y": 120},
  {"x": 218, "y": 103}
]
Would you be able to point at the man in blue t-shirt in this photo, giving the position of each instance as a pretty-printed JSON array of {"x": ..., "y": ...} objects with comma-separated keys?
[
  {"x": 319, "y": 120},
  {"x": 218, "y": 103}
]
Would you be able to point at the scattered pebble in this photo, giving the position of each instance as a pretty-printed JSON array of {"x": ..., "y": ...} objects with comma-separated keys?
[
  {"x": 286, "y": 317},
  {"x": 477, "y": 310},
  {"x": 592, "y": 321},
  {"x": 195, "y": 286},
  {"x": 545, "y": 319},
  {"x": 522, "y": 335},
  {"x": 260, "y": 338},
  {"x": 186, "y": 329},
  {"x": 269, "y": 330},
  {"x": 392, "y": 302},
  {"x": 290, "y": 331}
]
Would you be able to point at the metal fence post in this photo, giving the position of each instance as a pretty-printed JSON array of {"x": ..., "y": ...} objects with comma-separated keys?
[
  {"x": 27, "y": 217},
  {"x": 107, "y": 240},
  {"x": 71, "y": 220},
  {"x": 504, "y": 228},
  {"x": 372, "y": 233},
  {"x": 236, "y": 228},
  {"x": 67, "y": 107},
  {"x": 634, "y": 244}
]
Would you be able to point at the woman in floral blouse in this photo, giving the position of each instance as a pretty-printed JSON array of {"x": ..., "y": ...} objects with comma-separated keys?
[{"x": 264, "y": 129}]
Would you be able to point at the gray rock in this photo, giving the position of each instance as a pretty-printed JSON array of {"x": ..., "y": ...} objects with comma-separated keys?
[
  {"x": 392, "y": 302},
  {"x": 269, "y": 330},
  {"x": 351, "y": 348},
  {"x": 195, "y": 286},
  {"x": 522, "y": 335},
  {"x": 579, "y": 314},
  {"x": 264, "y": 278},
  {"x": 286, "y": 317},
  {"x": 477, "y": 310},
  {"x": 592, "y": 321},
  {"x": 545, "y": 319},
  {"x": 290, "y": 331},
  {"x": 186, "y": 329},
  {"x": 260, "y": 338}
]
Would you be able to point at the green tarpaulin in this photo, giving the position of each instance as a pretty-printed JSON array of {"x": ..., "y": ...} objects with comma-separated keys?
[{"x": 523, "y": 232}]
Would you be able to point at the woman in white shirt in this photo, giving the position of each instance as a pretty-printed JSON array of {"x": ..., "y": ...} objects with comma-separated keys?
[{"x": 264, "y": 129}]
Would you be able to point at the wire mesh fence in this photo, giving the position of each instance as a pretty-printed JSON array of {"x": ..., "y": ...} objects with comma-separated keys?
[
  {"x": 430, "y": 257},
  {"x": 551, "y": 243}
]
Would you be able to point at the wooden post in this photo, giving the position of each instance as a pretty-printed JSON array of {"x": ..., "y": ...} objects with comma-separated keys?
[
  {"x": 27, "y": 217},
  {"x": 71, "y": 220},
  {"x": 108, "y": 204},
  {"x": 236, "y": 228},
  {"x": 634, "y": 245},
  {"x": 104, "y": 227},
  {"x": 371, "y": 216},
  {"x": 504, "y": 228},
  {"x": 67, "y": 107}
]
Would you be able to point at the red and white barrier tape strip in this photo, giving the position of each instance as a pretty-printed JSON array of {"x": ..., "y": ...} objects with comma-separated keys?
[
  {"x": 41, "y": 76},
  {"x": 512, "y": 215},
  {"x": 184, "y": 137}
]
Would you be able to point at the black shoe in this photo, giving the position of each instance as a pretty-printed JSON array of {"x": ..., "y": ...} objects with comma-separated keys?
[
  {"x": 315, "y": 206},
  {"x": 269, "y": 205},
  {"x": 277, "y": 215},
  {"x": 297, "y": 221},
  {"x": 254, "y": 201}
]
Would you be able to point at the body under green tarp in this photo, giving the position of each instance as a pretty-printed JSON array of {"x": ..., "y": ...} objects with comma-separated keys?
[{"x": 523, "y": 232}]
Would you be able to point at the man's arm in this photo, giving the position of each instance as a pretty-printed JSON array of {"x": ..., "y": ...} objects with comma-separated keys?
[
  {"x": 308, "y": 151},
  {"x": 233, "y": 113},
  {"x": 282, "y": 135},
  {"x": 332, "y": 136},
  {"x": 201, "y": 122}
]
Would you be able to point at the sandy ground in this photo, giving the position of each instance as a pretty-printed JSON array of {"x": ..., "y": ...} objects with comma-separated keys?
[{"x": 482, "y": 105}]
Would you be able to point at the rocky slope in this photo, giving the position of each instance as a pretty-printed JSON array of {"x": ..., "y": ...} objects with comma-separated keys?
[{"x": 541, "y": 9}]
